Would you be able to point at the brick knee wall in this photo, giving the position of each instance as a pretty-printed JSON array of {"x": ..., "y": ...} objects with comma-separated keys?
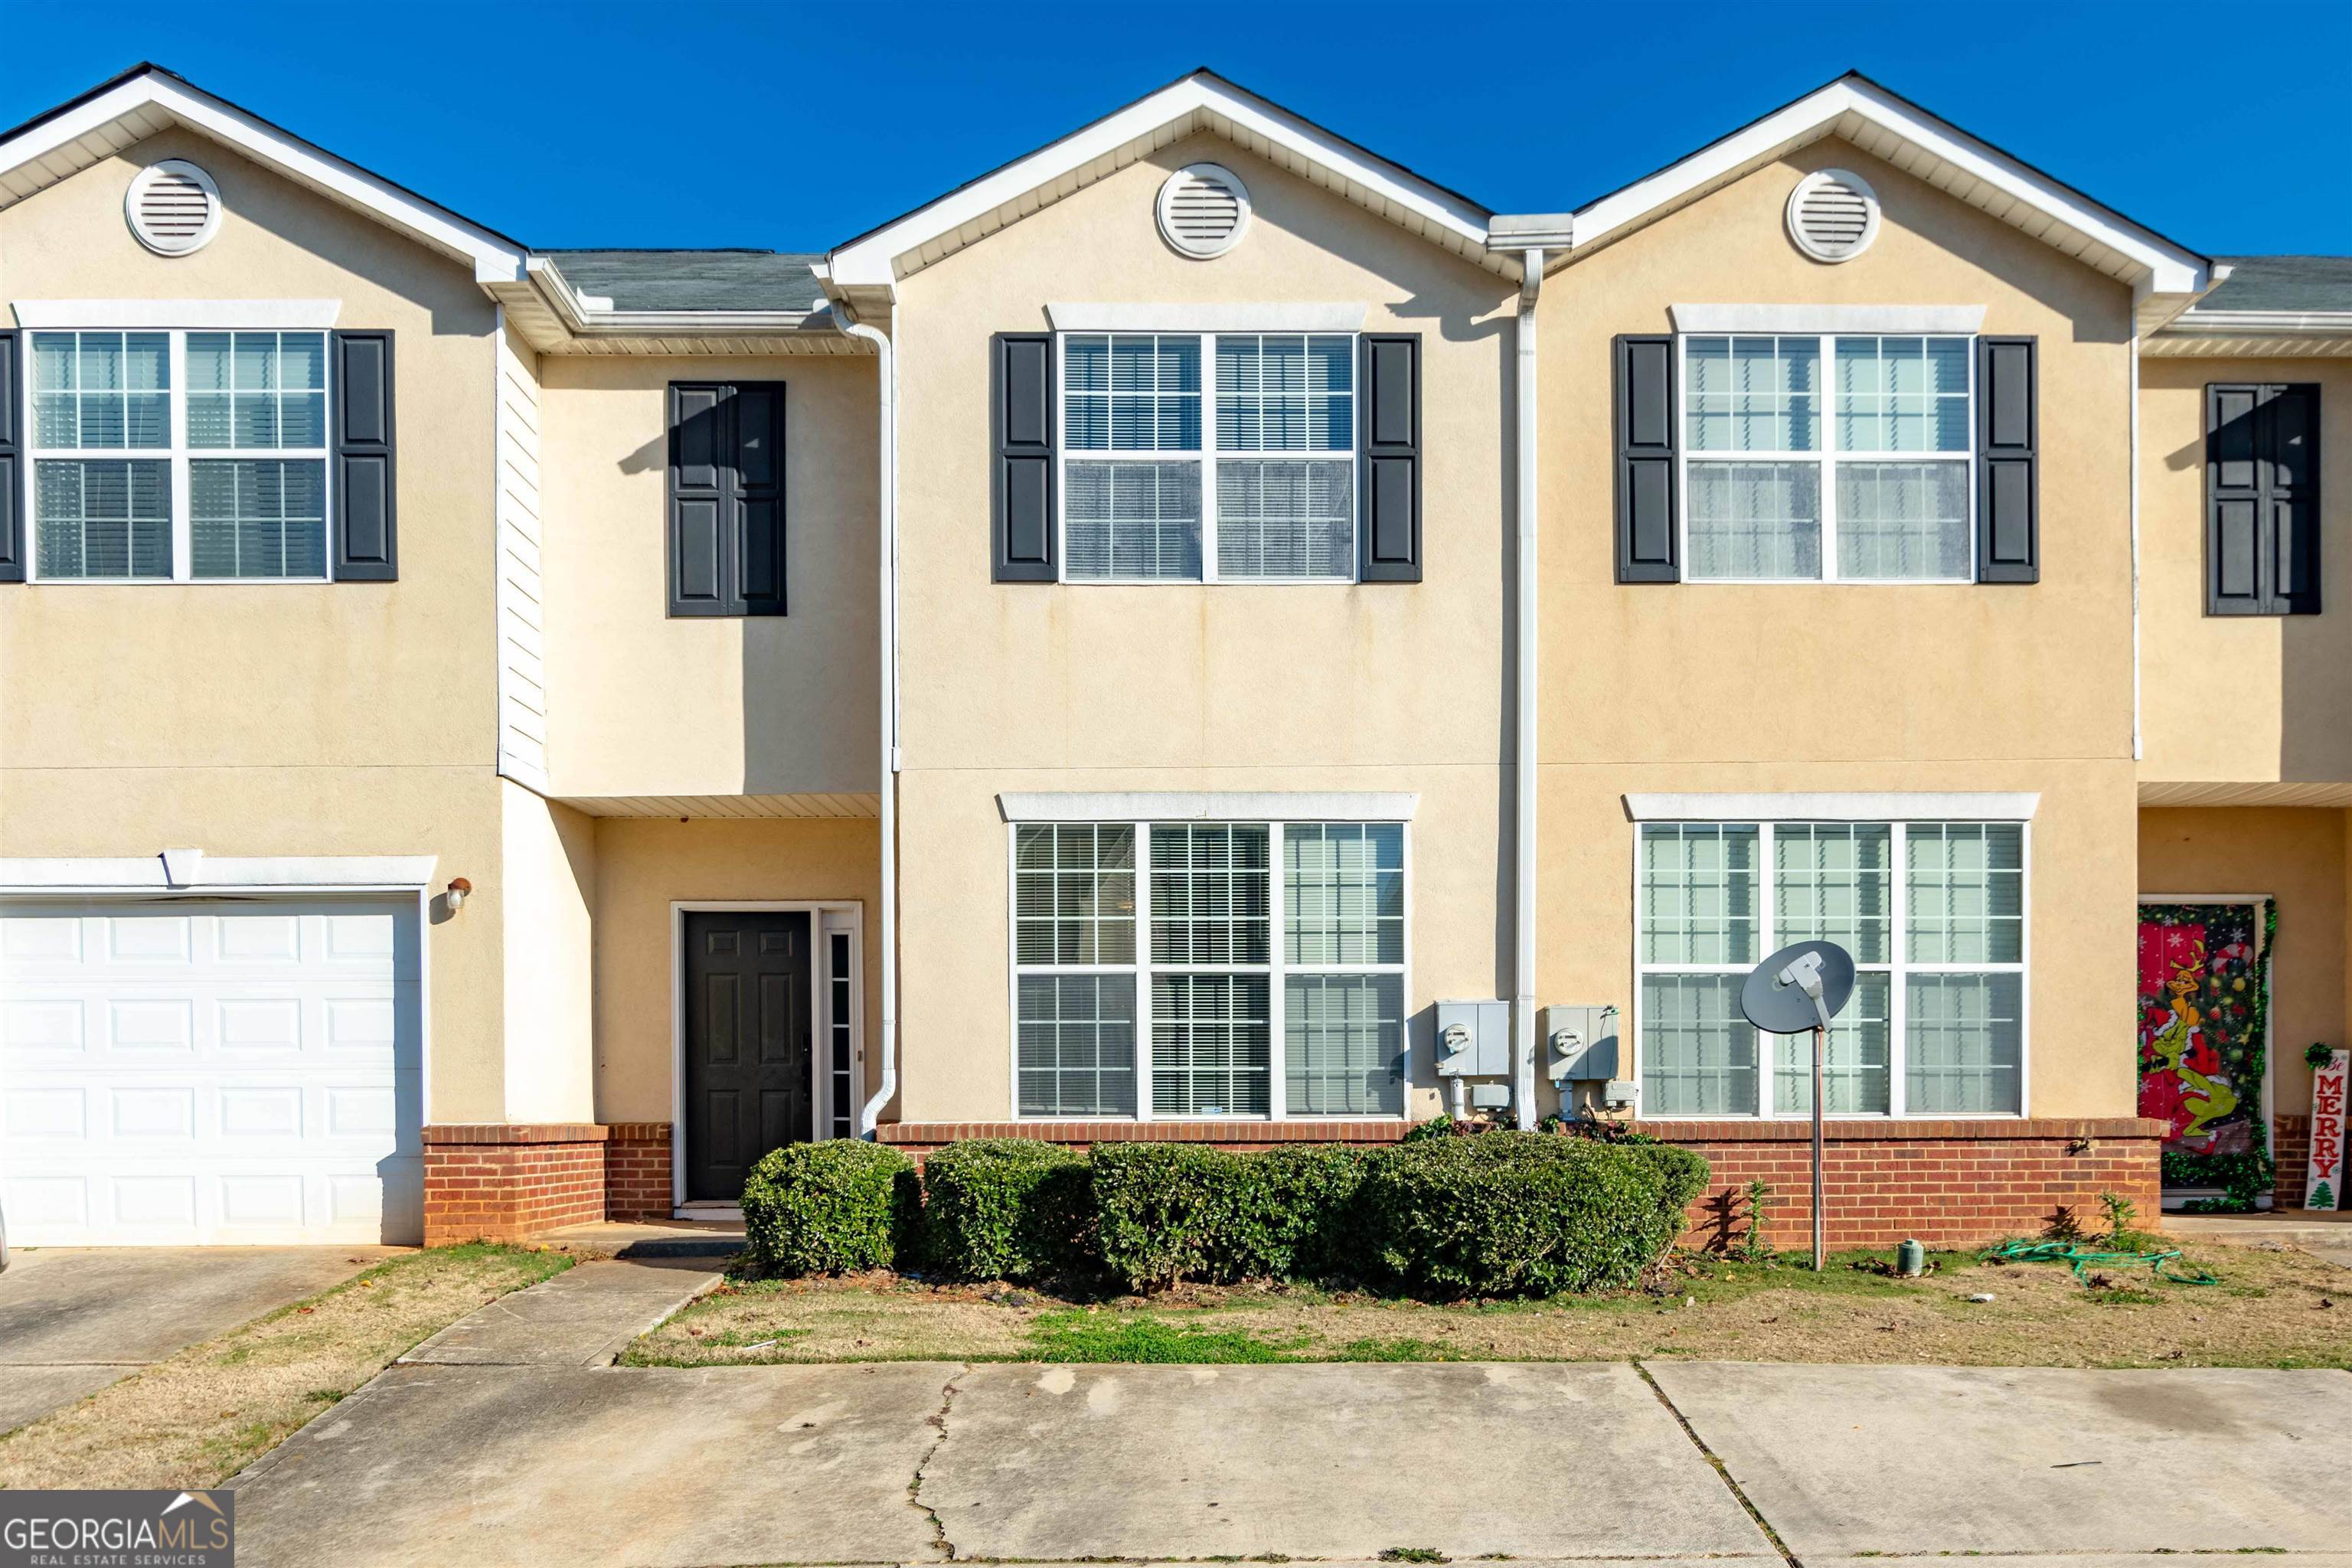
[
  {"x": 506, "y": 1182},
  {"x": 2291, "y": 1147},
  {"x": 637, "y": 1171},
  {"x": 1947, "y": 1184}
]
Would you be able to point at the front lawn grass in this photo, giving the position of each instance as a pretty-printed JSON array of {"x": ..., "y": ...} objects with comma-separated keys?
[
  {"x": 2276, "y": 1308},
  {"x": 200, "y": 1417}
]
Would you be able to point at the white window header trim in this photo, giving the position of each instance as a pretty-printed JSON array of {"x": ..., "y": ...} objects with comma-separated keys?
[
  {"x": 1890, "y": 805},
  {"x": 256, "y": 314},
  {"x": 1210, "y": 805},
  {"x": 191, "y": 870},
  {"x": 1340, "y": 317},
  {"x": 1965, "y": 319}
]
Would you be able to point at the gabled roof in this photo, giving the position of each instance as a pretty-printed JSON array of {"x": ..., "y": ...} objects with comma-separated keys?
[
  {"x": 147, "y": 99},
  {"x": 2163, "y": 273},
  {"x": 1202, "y": 100}
]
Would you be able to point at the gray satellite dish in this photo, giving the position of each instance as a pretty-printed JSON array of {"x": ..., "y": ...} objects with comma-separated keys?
[{"x": 1775, "y": 999}]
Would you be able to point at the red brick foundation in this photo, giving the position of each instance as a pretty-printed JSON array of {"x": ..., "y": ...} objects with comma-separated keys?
[
  {"x": 506, "y": 1181},
  {"x": 638, "y": 1184},
  {"x": 2291, "y": 1150},
  {"x": 1944, "y": 1183}
]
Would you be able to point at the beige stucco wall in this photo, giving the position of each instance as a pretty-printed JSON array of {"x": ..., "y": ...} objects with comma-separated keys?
[
  {"x": 1708, "y": 687},
  {"x": 1038, "y": 687},
  {"x": 548, "y": 871},
  {"x": 645, "y": 864},
  {"x": 640, "y": 704},
  {"x": 2297, "y": 856},
  {"x": 341, "y": 719},
  {"x": 2239, "y": 698}
]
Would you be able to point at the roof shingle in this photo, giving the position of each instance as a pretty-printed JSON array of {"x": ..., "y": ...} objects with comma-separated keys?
[{"x": 694, "y": 280}]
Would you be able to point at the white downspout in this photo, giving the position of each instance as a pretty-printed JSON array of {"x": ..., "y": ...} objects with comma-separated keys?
[
  {"x": 1523, "y": 791},
  {"x": 887, "y": 439},
  {"x": 2135, "y": 546}
]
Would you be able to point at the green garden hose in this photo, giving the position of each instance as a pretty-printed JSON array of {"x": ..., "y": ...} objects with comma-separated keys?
[{"x": 2164, "y": 1262}]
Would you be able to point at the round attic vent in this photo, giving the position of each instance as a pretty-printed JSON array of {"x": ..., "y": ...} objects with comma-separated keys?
[
  {"x": 1205, "y": 209},
  {"x": 1832, "y": 215},
  {"x": 173, "y": 207}
]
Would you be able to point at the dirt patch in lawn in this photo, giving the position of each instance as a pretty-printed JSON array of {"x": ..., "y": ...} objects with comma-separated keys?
[
  {"x": 2270, "y": 1307},
  {"x": 206, "y": 1413}
]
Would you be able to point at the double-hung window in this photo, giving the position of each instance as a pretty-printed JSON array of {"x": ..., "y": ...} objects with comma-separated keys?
[
  {"x": 1934, "y": 913},
  {"x": 179, "y": 456},
  {"x": 1198, "y": 969},
  {"x": 1217, "y": 457},
  {"x": 1833, "y": 457}
]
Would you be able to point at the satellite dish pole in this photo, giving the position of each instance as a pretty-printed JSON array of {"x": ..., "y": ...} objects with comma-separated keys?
[{"x": 1802, "y": 988}]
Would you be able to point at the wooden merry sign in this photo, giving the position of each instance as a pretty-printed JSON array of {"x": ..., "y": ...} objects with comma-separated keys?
[{"x": 2324, "y": 1184}]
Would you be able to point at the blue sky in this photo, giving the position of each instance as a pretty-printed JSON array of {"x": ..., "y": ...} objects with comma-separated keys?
[{"x": 692, "y": 123}]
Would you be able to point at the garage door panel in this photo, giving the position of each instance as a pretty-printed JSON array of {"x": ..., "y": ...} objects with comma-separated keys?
[{"x": 242, "y": 1073}]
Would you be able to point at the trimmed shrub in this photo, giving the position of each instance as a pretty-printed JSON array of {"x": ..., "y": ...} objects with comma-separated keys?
[
  {"x": 1008, "y": 1208},
  {"x": 829, "y": 1207},
  {"x": 1527, "y": 1214},
  {"x": 1166, "y": 1212}
]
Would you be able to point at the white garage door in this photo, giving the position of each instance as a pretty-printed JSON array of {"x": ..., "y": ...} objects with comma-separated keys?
[{"x": 235, "y": 1071}]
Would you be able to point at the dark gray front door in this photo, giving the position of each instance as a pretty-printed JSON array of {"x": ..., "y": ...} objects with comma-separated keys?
[{"x": 748, "y": 1033}]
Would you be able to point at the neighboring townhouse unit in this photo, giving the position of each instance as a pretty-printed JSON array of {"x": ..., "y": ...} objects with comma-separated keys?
[{"x": 1201, "y": 632}]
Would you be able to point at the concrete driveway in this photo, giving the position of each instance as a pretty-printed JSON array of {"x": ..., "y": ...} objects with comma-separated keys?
[{"x": 75, "y": 1318}]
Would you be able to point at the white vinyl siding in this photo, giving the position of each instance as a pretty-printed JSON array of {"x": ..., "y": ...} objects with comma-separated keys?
[
  {"x": 1933, "y": 914},
  {"x": 229, "y": 482},
  {"x": 1828, "y": 457},
  {"x": 1259, "y": 488},
  {"x": 1214, "y": 979}
]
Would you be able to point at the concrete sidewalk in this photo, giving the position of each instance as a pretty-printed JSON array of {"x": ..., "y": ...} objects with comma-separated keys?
[
  {"x": 584, "y": 1317},
  {"x": 913, "y": 1462}
]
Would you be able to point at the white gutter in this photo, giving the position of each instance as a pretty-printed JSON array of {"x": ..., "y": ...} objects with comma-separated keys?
[
  {"x": 886, "y": 382},
  {"x": 1523, "y": 754},
  {"x": 2134, "y": 546}
]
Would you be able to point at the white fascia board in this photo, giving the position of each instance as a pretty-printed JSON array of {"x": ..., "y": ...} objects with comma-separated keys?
[
  {"x": 495, "y": 260},
  {"x": 1210, "y": 805},
  {"x": 1965, "y": 319},
  {"x": 1866, "y": 806},
  {"x": 1247, "y": 317},
  {"x": 2169, "y": 268},
  {"x": 2255, "y": 323},
  {"x": 148, "y": 873},
  {"x": 256, "y": 315},
  {"x": 871, "y": 261}
]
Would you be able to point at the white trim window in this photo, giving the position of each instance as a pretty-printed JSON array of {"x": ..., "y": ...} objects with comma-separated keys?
[
  {"x": 1828, "y": 457},
  {"x": 1934, "y": 913},
  {"x": 1258, "y": 486},
  {"x": 178, "y": 456},
  {"x": 1254, "y": 994}
]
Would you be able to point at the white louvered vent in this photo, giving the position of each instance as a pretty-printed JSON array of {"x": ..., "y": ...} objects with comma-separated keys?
[
  {"x": 1834, "y": 215},
  {"x": 173, "y": 207},
  {"x": 1204, "y": 209}
]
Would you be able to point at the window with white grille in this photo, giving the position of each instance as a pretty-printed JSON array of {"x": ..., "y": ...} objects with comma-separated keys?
[
  {"x": 179, "y": 456},
  {"x": 1934, "y": 913},
  {"x": 1828, "y": 458},
  {"x": 1259, "y": 486},
  {"x": 1198, "y": 969}
]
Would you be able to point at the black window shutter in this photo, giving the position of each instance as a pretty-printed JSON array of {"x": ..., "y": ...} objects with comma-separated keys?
[
  {"x": 1389, "y": 545},
  {"x": 2291, "y": 505},
  {"x": 2008, "y": 521},
  {"x": 2233, "y": 495},
  {"x": 2262, "y": 499},
  {"x": 1642, "y": 393},
  {"x": 366, "y": 536},
  {"x": 15, "y": 537},
  {"x": 726, "y": 498},
  {"x": 1021, "y": 443}
]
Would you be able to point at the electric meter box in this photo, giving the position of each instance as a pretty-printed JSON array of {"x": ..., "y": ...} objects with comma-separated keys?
[
  {"x": 1580, "y": 1043},
  {"x": 1483, "y": 1047}
]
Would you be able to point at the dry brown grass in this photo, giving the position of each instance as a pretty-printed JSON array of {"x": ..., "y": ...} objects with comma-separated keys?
[
  {"x": 206, "y": 1413},
  {"x": 2271, "y": 1308}
]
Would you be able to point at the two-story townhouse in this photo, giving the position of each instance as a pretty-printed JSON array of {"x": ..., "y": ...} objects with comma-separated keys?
[{"x": 1201, "y": 632}]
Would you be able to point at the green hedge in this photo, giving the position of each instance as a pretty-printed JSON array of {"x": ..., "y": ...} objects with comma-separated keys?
[
  {"x": 1008, "y": 1208},
  {"x": 1527, "y": 1214},
  {"x": 829, "y": 1207},
  {"x": 1166, "y": 1212}
]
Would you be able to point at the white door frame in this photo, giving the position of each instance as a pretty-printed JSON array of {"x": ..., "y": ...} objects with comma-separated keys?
[{"x": 822, "y": 913}]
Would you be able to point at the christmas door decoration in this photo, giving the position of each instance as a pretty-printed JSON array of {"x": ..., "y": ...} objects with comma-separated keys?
[{"x": 2202, "y": 1005}]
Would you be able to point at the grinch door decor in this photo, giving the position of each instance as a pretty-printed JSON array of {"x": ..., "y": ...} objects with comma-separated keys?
[{"x": 2203, "y": 1016}]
